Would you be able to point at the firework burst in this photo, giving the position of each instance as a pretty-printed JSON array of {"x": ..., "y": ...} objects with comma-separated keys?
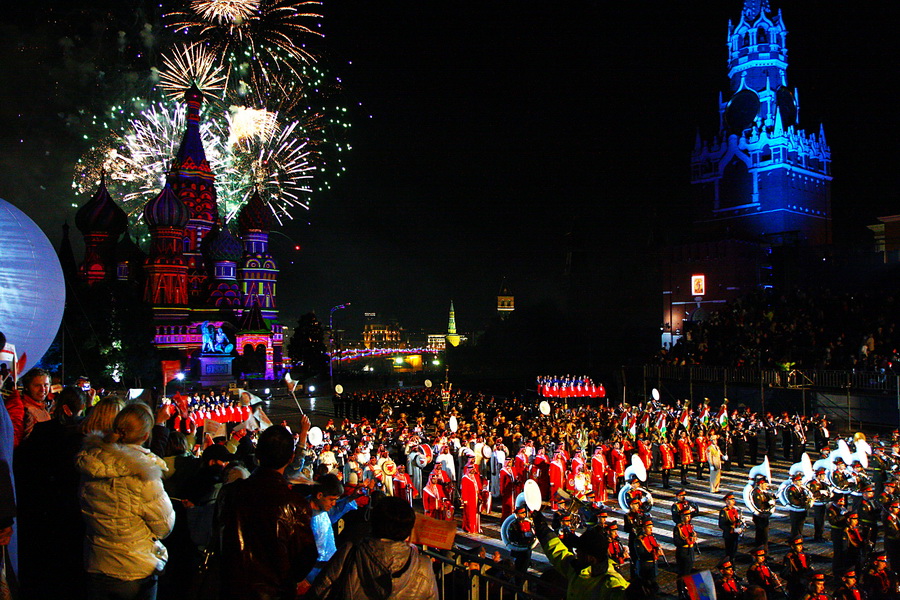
[
  {"x": 273, "y": 31},
  {"x": 280, "y": 166},
  {"x": 225, "y": 11},
  {"x": 192, "y": 65}
]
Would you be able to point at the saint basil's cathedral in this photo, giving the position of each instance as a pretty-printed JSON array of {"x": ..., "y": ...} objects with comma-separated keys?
[{"x": 212, "y": 293}]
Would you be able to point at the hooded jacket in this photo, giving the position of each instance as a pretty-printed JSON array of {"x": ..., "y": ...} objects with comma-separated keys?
[
  {"x": 377, "y": 569},
  {"x": 125, "y": 509}
]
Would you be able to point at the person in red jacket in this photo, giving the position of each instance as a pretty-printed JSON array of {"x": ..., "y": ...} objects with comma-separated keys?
[
  {"x": 617, "y": 464},
  {"x": 685, "y": 456},
  {"x": 599, "y": 467},
  {"x": 666, "y": 461},
  {"x": 507, "y": 489},
  {"x": 558, "y": 477},
  {"x": 702, "y": 444},
  {"x": 470, "y": 490}
]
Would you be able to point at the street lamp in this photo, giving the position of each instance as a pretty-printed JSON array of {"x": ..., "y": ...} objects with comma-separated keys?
[{"x": 331, "y": 340}]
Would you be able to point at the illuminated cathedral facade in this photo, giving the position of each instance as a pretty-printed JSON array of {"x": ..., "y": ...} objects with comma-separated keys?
[
  {"x": 761, "y": 182},
  {"x": 212, "y": 290}
]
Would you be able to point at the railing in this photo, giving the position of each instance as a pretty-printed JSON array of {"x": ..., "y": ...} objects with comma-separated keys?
[
  {"x": 872, "y": 381},
  {"x": 461, "y": 574}
]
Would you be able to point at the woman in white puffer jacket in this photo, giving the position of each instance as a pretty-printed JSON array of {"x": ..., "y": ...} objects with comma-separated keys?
[{"x": 125, "y": 508}]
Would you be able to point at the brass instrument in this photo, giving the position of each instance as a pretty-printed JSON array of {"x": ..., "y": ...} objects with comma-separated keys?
[
  {"x": 807, "y": 499},
  {"x": 637, "y": 469},
  {"x": 760, "y": 469}
]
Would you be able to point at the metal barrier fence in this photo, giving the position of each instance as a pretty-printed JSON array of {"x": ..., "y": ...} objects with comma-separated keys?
[
  {"x": 851, "y": 399},
  {"x": 863, "y": 381},
  {"x": 466, "y": 575}
]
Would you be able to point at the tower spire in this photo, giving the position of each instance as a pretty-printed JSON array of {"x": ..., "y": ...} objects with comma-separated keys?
[
  {"x": 452, "y": 336},
  {"x": 193, "y": 182},
  {"x": 753, "y": 8}
]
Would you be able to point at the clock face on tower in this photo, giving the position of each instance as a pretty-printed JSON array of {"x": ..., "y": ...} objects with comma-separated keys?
[
  {"x": 741, "y": 111},
  {"x": 787, "y": 106}
]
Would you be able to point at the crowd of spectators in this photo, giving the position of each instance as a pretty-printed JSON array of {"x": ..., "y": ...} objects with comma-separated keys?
[{"x": 795, "y": 329}]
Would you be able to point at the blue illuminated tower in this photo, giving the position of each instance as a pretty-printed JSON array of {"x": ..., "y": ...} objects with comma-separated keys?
[{"x": 762, "y": 177}]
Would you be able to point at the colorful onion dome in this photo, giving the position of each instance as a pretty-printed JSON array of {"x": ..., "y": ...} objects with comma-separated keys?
[
  {"x": 101, "y": 214},
  {"x": 222, "y": 245},
  {"x": 127, "y": 250},
  {"x": 256, "y": 215},
  {"x": 166, "y": 210}
]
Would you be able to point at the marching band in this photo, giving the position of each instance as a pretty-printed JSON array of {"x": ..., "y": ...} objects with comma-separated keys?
[{"x": 587, "y": 458}]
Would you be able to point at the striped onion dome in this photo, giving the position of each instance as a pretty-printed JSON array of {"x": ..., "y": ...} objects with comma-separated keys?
[
  {"x": 166, "y": 210},
  {"x": 101, "y": 214}
]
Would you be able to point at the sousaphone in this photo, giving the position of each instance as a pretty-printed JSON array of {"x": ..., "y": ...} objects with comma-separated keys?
[
  {"x": 638, "y": 469},
  {"x": 806, "y": 468},
  {"x": 531, "y": 498},
  {"x": 761, "y": 469}
]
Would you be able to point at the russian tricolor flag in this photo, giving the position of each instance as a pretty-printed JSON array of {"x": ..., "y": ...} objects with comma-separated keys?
[{"x": 700, "y": 586}]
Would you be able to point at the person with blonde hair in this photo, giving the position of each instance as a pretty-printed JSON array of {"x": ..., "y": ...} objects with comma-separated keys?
[
  {"x": 125, "y": 508},
  {"x": 100, "y": 418}
]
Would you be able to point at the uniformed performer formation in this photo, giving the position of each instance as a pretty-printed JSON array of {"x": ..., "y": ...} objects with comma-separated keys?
[{"x": 586, "y": 459}]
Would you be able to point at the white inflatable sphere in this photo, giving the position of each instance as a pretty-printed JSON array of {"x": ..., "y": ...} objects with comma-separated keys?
[{"x": 32, "y": 288}]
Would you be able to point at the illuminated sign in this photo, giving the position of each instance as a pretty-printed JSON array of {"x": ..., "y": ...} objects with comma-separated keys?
[{"x": 698, "y": 285}]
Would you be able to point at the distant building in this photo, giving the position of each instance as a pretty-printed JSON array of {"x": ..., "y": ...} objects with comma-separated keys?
[
  {"x": 382, "y": 335},
  {"x": 437, "y": 342},
  {"x": 506, "y": 302}
]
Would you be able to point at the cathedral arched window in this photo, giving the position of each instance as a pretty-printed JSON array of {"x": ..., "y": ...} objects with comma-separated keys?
[
  {"x": 762, "y": 36},
  {"x": 745, "y": 41},
  {"x": 766, "y": 154}
]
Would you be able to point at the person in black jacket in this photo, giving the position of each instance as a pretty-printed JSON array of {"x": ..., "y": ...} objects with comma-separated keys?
[{"x": 267, "y": 543}]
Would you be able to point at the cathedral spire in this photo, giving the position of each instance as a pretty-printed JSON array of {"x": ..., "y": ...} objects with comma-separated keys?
[
  {"x": 753, "y": 8},
  {"x": 193, "y": 182}
]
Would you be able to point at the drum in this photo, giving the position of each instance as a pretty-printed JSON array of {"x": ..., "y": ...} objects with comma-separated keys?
[{"x": 423, "y": 455}]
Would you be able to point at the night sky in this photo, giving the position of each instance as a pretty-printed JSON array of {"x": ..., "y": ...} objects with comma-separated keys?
[{"x": 484, "y": 132}]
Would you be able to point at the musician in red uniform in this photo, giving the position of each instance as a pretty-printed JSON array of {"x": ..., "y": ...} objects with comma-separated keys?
[
  {"x": 727, "y": 585},
  {"x": 403, "y": 485},
  {"x": 557, "y": 477},
  {"x": 892, "y": 535},
  {"x": 540, "y": 471},
  {"x": 848, "y": 589},
  {"x": 507, "y": 489},
  {"x": 878, "y": 583},
  {"x": 470, "y": 490},
  {"x": 434, "y": 499},
  {"x": 796, "y": 570},
  {"x": 816, "y": 588},
  {"x": 645, "y": 452},
  {"x": 855, "y": 543},
  {"x": 685, "y": 456},
  {"x": 599, "y": 467},
  {"x": 702, "y": 444},
  {"x": 617, "y": 465},
  {"x": 666, "y": 461},
  {"x": 731, "y": 524},
  {"x": 685, "y": 540},
  {"x": 616, "y": 551},
  {"x": 520, "y": 466},
  {"x": 647, "y": 552},
  {"x": 760, "y": 574}
]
